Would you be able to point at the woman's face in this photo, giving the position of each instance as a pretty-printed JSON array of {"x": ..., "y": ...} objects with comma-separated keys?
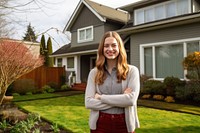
[{"x": 111, "y": 49}]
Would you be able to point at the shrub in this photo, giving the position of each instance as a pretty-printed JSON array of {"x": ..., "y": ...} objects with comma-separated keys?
[
  {"x": 22, "y": 86},
  {"x": 153, "y": 87},
  {"x": 191, "y": 91},
  {"x": 48, "y": 89},
  {"x": 158, "y": 97},
  {"x": 146, "y": 96},
  {"x": 192, "y": 63},
  {"x": 54, "y": 85},
  {"x": 169, "y": 99},
  {"x": 15, "y": 94},
  {"x": 171, "y": 83},
  {"x": 29, "y": 93},
  {"x": 143, "y": 79},
  {"x": 65, "y": 87}
]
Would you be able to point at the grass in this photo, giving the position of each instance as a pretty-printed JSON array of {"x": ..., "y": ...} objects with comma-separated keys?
[
  {"x": 170, "y": 106},
  {"x": 70, "y": 113}
]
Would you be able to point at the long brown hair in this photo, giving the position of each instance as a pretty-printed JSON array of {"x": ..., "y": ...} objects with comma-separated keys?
[{"x": 122, "y": 66}]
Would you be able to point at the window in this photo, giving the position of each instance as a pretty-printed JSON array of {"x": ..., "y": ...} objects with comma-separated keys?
[
  {"x": 85, "y": 34},
  {"x": 70, "y": 62},
  {"x": 59, "y": 62},
  {"x": 164, "y": 59},
  {"x": 161, "y": 11},
  {"x": 168, "y": 60}
]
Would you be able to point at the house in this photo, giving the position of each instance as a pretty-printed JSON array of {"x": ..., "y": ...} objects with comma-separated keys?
[
  {"x": 87, "y": 25},
  {"x": 161, "y": 34},
  {"x": 34, "y": 47},
  {"x": 157, "y": 35}
]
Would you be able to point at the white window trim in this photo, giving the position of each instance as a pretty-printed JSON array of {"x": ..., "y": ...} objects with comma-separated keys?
[
  {"x": 142, "y": 46},
  {"x": 153, "y": 6},
  {"x": 85, "y": 40}
]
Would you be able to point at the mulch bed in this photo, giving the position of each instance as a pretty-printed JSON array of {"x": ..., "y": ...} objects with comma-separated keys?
[{"x": 13, "y": 114}]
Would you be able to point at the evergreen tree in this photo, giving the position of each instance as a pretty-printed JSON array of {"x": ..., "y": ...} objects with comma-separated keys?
[
  {"x": 42, "y": 45},
  {"x": 30, "y": 34},
  {"x": 43, "y": 50},
  {"x": 49, "y": 52}
]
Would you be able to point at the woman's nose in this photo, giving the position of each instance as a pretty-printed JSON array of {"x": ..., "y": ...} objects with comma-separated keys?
[{"x": 110, "y": 48}]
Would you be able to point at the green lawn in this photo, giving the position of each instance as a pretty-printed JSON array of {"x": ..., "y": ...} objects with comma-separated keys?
[{"x": 70, "y": 113}]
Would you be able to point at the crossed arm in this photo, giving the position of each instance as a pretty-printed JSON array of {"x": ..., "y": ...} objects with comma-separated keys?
[{"x": 97, "y": 101}]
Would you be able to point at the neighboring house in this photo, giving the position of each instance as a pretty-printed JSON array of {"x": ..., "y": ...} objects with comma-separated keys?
[
  {"x": 34, "y": 47},
  {"x": 157, "y": 35},
  {"x": 87, "y": 25}
]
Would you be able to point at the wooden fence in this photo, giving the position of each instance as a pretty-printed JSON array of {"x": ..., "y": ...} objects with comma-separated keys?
[{"x": 44, "y": 75}]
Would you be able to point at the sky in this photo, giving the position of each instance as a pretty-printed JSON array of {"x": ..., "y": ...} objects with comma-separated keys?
[{"x": 50, "y": 17}]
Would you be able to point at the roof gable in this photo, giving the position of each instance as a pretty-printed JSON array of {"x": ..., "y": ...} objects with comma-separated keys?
[{"x": 100, "y": 11}]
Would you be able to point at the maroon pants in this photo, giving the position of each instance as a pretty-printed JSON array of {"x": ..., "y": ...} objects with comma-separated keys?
[{"x": 111, "y": 123}]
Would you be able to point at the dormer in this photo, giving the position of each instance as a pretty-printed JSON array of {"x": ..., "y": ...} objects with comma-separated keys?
[{"x": 147, "y": 11}]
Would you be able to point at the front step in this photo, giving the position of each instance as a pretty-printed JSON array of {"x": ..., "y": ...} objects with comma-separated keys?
[{"x": 79, "y": 86}]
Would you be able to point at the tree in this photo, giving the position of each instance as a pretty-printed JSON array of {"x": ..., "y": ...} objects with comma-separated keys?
[
  {"x": 42, "y": 45},
  {"x": 192, "y": 64},
  {"x": 50, "y": 51},
  {"x": 30, "y": 34},
  {"x": 43, "y": 50},
  {"x": 16, "y": 60}
]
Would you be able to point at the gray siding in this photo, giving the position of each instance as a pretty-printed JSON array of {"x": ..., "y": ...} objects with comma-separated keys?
[
  {"x": 161, "y": 35},
  {"x": 84, "y": 19},
  {"x": 87, "y": 18}
]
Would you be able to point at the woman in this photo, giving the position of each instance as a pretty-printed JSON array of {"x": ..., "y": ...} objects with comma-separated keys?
[{"x": 112, "y": 89}]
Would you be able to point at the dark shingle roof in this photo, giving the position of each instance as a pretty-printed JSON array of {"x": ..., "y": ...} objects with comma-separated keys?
[{"x": 66, "y": 49}]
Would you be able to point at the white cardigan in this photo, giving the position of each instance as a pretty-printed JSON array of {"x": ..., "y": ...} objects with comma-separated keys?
[{"x": 127, "y": 101}]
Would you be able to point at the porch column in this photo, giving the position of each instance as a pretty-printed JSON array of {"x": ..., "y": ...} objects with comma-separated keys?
[{"x": 77, "y": 68}]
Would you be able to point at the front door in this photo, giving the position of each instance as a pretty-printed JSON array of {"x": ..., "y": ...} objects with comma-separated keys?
[{"x": 92, "y": 62}]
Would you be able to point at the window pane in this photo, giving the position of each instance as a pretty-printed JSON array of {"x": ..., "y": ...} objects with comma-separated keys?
[
  {"x": 171, "y": 9},
  {"x": 182, "y": 7},
  {"x": 169, "y": 61},
  {"x": 148, "y": 70},
  {"x": 159, "y": 12},
  {"x": 70, "y": 62},
  {"x": 192, "y": 46},
  {"x": 59, "y": 62},
  {"x": 89, "y": 33},
  {"x": 149, "y": 15},
  {"x": 140, "y": 17},
  {"x": 82, "y": 35}
]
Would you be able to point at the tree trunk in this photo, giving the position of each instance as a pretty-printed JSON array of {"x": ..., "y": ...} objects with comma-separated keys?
[{"x": 2, "y": 95}]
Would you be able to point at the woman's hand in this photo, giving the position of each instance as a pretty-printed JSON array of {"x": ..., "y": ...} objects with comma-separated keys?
[
  {"x": 97, "y": 96},
  {"x": 127, "y": 90}
]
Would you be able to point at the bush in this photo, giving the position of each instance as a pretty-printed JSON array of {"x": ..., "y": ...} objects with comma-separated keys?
[
  {"x": 191, "y": 91},
  {"x": 192, "y": 63},
  {"x": 48, "y": 89},
  {"x": 158, "y": 97},
  {"x": 169, "y": 99},
  {"x": 146, "y": 96},
  {"x": 171, "y": 83},
  {"x": 143, "y": 79},
  {"x": 65, "y": 87},
  {"x": 153, "y": 87},
  {"x": 22, "y": 86},
  {"x": 53, "y": 85}
]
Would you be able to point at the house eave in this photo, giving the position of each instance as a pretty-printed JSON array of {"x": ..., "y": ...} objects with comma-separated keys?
[
  {"x": 74, "y": 15},
  {"x": 161, "y": 24},
  {"x": 75, "y": 53}
]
